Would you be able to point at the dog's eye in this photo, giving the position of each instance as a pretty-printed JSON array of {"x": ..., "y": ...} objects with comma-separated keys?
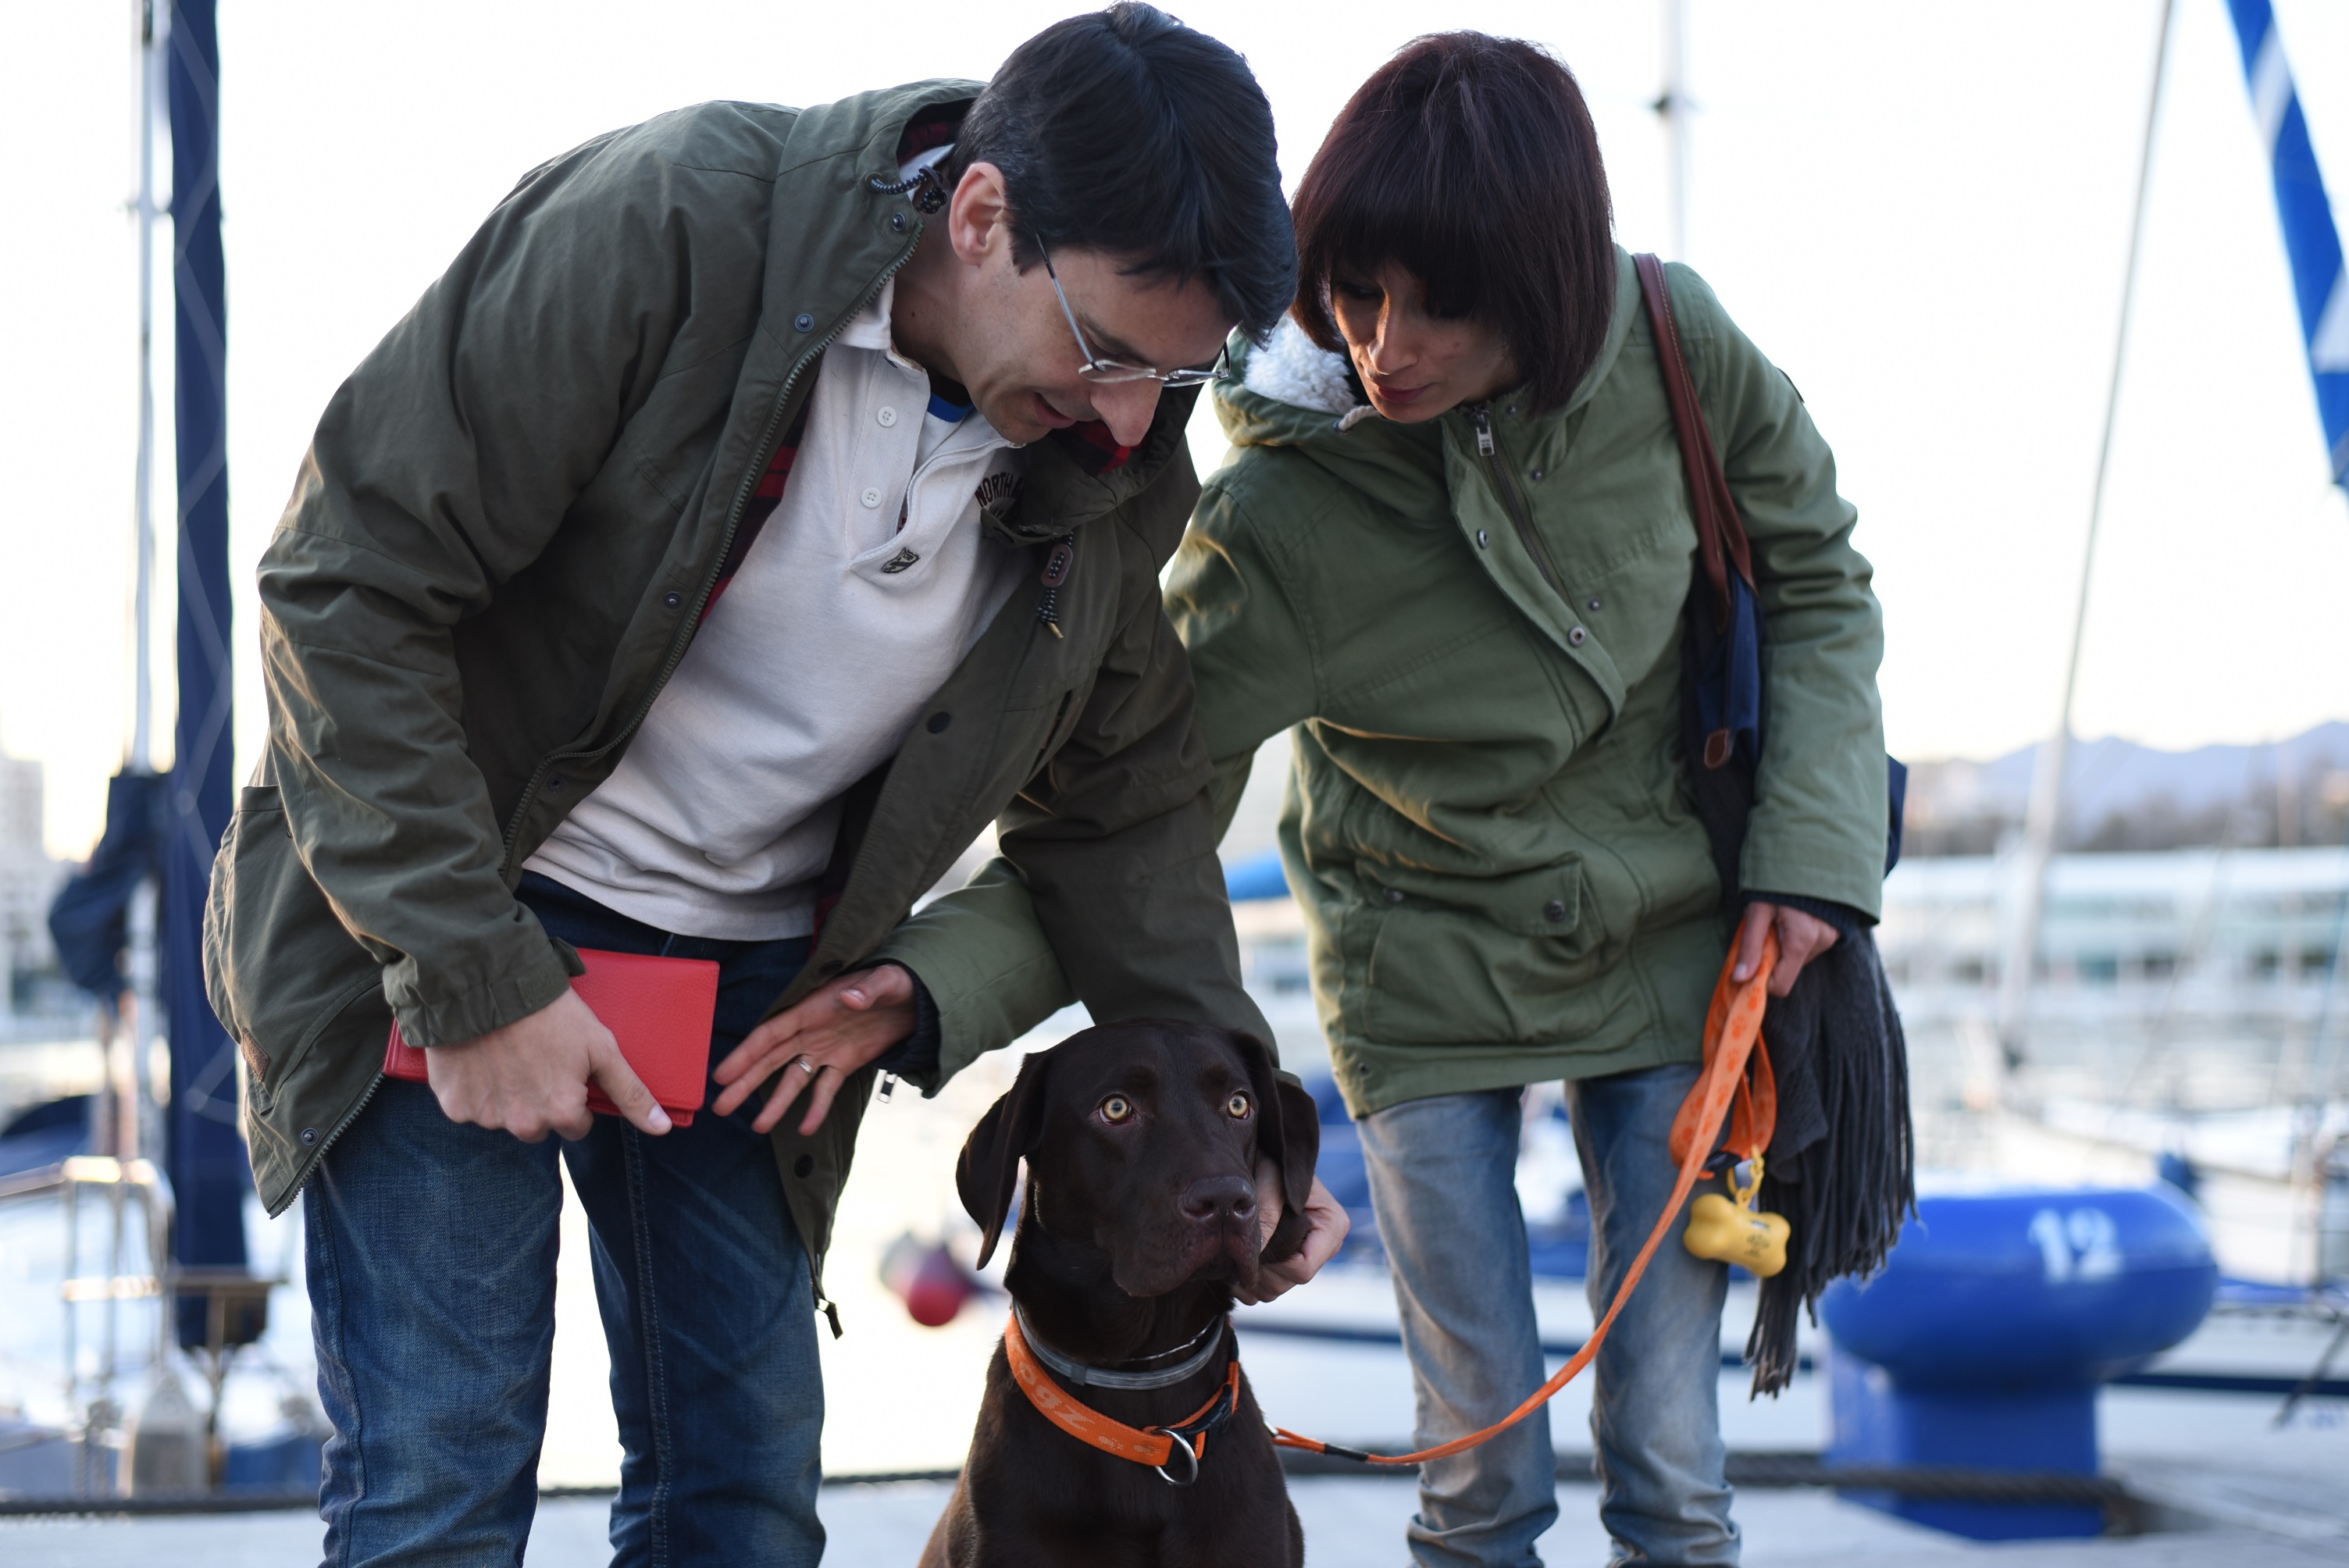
[
  {"x": 1236, "y": 1107},
  {"x": 1116, "y": 1108}
]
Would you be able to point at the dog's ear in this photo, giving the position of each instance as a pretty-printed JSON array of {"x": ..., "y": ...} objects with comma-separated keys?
[
  {"x": 987, "y": 1175},
  {"x": 1288, "y": 1133}
]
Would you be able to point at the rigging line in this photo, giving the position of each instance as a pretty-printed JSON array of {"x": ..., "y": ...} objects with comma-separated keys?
[{"x": 2047, "y": 785}]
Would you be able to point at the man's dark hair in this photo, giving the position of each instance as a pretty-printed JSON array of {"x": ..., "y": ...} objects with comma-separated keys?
[
  {"x": 1471, "y": 161},
  {"x": 1124, "y": 132}
]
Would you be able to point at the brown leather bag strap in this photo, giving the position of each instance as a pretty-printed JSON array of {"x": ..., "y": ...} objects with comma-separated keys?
[{"x": 1721, "y": 533}]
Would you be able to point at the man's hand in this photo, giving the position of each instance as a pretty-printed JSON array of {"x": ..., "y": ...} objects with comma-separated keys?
[
  {"x": 818, "y": 1043},
  {"x": 1326, "y": 1227},
  {"x": 1801, "y": 938},
  {"x": 530, "y": 1077}
]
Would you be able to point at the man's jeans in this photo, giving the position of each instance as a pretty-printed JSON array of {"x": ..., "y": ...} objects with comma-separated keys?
[
  {"x": 1443, "y": 1182},
  {"x": 431, "y": 1263}
]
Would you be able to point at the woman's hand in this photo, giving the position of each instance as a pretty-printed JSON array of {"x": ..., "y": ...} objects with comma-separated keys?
[
  {"x": 818, "y": 1043},
  {"x": 1326, "y": 1227},
  {"x": 1801, "y": 938}
]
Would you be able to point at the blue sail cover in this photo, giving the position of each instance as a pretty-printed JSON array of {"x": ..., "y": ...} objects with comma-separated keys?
[
  {"x": 2310, "y": 239},
  {"x": 90, "y": 920},
  {"x": 203, "y": 1148}
]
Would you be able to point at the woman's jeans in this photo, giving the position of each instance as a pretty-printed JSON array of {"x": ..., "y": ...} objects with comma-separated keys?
[
  {"x": 432, "y": 1253},
  {"x": 1443, "y": 1182}
]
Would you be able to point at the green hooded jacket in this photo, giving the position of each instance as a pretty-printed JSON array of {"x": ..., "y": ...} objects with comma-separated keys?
[
  {"x": 1474, "y": 627},
  {"x": 500, "y": 545}
]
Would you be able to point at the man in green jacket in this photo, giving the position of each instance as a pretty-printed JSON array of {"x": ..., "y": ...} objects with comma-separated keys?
[{"x": 763, "y": 501}]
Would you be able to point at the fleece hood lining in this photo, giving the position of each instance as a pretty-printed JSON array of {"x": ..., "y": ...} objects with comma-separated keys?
[{"x": 1292, "y": 369}]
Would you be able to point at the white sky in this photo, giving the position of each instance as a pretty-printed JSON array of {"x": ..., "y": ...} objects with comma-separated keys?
[{"x": 1920, "y": 211}]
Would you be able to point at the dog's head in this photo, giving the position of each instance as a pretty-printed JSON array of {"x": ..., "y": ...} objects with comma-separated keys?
[{"x": 1142, "y": 1139}]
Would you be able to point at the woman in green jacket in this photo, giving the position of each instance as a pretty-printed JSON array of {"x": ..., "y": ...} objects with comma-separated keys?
[{"x": 1451, "y": 554}]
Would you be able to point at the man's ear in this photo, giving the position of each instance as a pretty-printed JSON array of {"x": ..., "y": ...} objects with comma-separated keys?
[
  {"x": 987, "y": 1175},
  {"x": 1288, "y": 1133},
  {"x": 978, "y": 213}
]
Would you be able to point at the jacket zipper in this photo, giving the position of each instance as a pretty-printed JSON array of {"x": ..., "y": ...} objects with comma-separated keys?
[
  {"x": 310, "y": 1166},
  {"x": 1512, "y": 498},
  {"x": 763, "y": 454}
]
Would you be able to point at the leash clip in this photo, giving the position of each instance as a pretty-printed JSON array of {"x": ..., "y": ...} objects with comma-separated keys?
[{"x": 1178, "y": 1444}]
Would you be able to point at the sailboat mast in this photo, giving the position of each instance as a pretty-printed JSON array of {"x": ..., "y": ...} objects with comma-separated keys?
[
  {"x": 2046, "y": 811},
  {"x": 142, "y": 611},
  {"x": 1673, "y": 107}
]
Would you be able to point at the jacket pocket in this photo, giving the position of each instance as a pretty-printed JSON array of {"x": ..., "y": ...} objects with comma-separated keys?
[
  {"x": 1457, "y": 960},
  {"x": 278, "y": 963}
]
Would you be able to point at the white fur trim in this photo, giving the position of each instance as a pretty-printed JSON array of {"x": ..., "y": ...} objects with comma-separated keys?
[{"x": 1293, "y": 370}]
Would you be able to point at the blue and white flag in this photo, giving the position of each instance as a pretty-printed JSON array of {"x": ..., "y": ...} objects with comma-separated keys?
[{"x": 2310, "y": 239}]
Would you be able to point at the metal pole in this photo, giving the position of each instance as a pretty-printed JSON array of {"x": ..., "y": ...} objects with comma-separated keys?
[
  {"x": 143, "y": 738},
  {"x": 1673, "y": 107},
  {"x": 2047, "y": 778}
]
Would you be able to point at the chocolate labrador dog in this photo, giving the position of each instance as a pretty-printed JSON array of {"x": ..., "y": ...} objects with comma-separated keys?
[{"x": 1139, "y": 1219}]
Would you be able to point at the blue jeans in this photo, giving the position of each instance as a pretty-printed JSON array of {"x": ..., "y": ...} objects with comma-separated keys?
[
  {"x": 1443, "y": 1178},
  {"x": 432, "y": 1253}
]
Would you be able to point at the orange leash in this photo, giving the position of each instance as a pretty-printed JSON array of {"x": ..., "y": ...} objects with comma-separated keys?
[
  {"x": 1732, "y": 1030},
  {"x": 1087, "y": 1424}
]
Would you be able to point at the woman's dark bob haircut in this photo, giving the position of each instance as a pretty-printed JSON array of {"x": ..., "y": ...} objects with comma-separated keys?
[{"x": 1469, "y": 160}]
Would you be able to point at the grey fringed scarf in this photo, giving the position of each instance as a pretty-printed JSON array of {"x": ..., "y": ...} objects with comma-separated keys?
[{"x": 1841, "y": 1167}]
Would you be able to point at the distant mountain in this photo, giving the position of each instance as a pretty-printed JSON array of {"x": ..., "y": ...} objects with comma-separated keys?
[{"x": 2119, "y": 795}]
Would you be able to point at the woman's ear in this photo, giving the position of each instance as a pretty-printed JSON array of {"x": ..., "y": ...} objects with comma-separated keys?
[{"x": 987, "y": 1175}]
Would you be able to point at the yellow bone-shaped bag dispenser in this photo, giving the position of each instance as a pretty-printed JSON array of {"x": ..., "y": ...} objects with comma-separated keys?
[{"x": 1735, "y": 1232}]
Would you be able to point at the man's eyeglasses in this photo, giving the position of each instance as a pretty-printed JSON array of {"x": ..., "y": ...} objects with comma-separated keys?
[{"x": 1111, "y": 372}]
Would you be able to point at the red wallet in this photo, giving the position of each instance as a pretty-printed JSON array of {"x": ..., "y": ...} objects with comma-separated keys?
[{"x": 659, "y": 1009}]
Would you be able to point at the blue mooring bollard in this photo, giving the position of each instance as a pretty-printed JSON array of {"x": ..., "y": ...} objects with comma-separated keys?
[{"x": 1982, "y": 1343}]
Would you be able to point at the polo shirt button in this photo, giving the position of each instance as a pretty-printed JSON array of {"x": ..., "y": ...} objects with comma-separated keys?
[
  {"x": 872, "y": 496},
  {"x": 1576, "y": 637},
  {"x": 1554, "y": 910},
  {"x": 888, "y": 416}
]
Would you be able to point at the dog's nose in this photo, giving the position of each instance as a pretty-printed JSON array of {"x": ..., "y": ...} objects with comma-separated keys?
[{"x": 1213, "y": 1200}]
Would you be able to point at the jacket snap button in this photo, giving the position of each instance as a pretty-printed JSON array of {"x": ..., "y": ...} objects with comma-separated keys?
[
  {"x": 1394, "y": 895},
  {"x": 804, "y": 322},
  {"x": 803, "y": 1165},
  {"x": 1594, "y": 605},
  {"x": 555, "y": 782},
  {"x": 1481, "y": 542},
  {"x": 1576, "y": 637},
  {"x": 938, "y": 722},
  {"x": 898, "y": 222},
  {"x": 673, "y": 600},
  {"x": 1555, "y": 910},
  {"x": 1537, "y": 474},
  {"x": 309, "y": 1137}
]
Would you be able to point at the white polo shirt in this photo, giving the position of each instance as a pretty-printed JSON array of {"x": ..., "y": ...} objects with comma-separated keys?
[{"x": 868, "y": 584}]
